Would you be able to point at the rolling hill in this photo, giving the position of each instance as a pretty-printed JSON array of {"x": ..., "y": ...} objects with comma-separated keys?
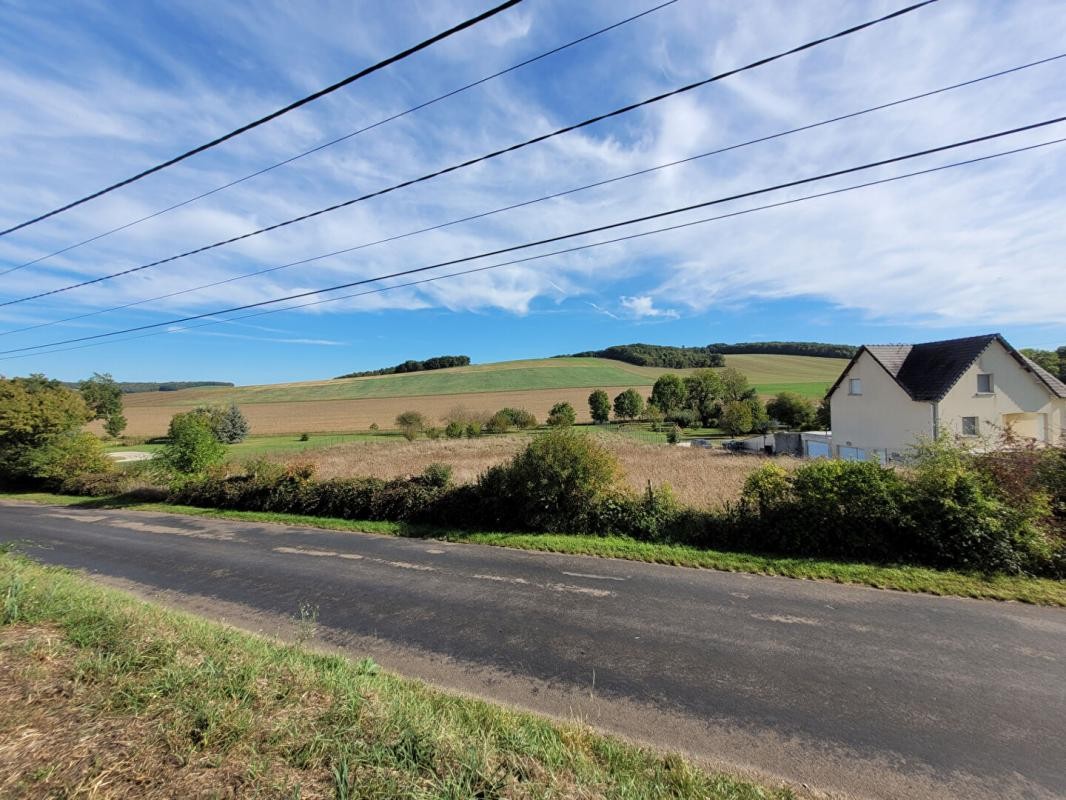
[{"x": 354, "y": 403}]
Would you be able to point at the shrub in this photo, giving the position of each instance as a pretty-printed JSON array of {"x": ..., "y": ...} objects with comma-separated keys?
[
  {"x": 192, "y": 447},
  {"x": 654, "y": 415},
  {"x": 553, "y": 484},
  {"x": 454, "y": 430},
  {"x": 473, "y": 429},
  {"x": 649, "y": 516},
  {"x": 436, "y": 475},
  {"x": 410, "y": 423},
  {"x": 433, "y": 432},
  {"x": 500, "y": 422},
  {"x": 673, "y": 434},
  {"x": 374, "y": 426},
  {"x": 684, "y": 418},
  {"x": 230, "y": 425},
  {"x": 70, "y": 455},
  {"x": 562, "y": 415},
  {"x": 599, "y": 406},
  {"x": 520, "y": 418},
  {"x": 305, "y": 437}
]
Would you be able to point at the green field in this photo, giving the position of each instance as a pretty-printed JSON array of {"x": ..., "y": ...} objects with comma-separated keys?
[
  {"x": 261, "y": 446},
  {"x": 808, "y": 375}
]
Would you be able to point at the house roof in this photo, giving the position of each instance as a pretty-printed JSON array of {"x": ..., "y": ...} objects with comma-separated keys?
[{"x": 927, "y": 371}]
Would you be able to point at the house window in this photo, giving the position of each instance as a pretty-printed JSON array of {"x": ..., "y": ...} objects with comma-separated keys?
[
  {"x": 855, "y": 386},
  {"x": 984, "y": 383},
  {"x": 969, "y": 426}
]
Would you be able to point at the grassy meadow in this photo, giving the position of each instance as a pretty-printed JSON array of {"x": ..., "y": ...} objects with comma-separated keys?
[{"x": 354, "y": 404}]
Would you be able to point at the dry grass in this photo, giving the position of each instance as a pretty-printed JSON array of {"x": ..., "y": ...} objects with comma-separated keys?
[
  {"x": 329, "y": 416},
  {"x": 60, "y": 740},
  {"x": 700, "y": 478}
]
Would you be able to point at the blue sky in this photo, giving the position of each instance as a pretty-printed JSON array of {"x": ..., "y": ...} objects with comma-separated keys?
[{"x": 92, "y": 92}]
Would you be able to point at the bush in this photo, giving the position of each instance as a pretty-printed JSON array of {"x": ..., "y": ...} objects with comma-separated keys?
[
  {"x": 553, "y": 484},
  {"x": 454, "y": 430},
  {"x": 562, "y": 415},
  {"x": 433, "y": 432},
  {"x": 97, "y": 484},
  {"x": 70, "y": 455},
  {"x": 33, "y": 411},
  {"x": 685, "y": 418},
  {"x": 673, "y": 434},
  {"x": 500, "y": 422},
  {"x": 473, "y": 429},
  {"x": 520, "y": 418},
  {"x": 305, "y": 437},
  {"x": 410, "y": 423},
  {"x": 192, "y": 447},
  {"x": 230, "y": 425},
  {"x": 438, "y": 476}
]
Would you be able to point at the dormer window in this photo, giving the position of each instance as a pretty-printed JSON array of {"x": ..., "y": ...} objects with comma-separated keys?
[
  {"x": 984, "y": 383},
  {"x": 855, "y": 386}
]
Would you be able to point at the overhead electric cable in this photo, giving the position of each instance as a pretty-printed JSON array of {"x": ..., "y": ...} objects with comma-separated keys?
[
  {"x": 343, "y": 138},
  {"x": 562, "y": 237},
  {"x": 479, "y": 159},
  {"x": 540, "y": 199},
  {"x": 275, "y": 114},
  {"x": 540, "y": 256}
]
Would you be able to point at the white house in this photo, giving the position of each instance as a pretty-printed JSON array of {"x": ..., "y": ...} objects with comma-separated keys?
[{"x": 889, "y": 395}]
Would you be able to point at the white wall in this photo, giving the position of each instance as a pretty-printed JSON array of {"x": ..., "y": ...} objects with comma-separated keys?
[
  {"x": 883, "y": 418},
  {"x": 1016, "y": 391}
]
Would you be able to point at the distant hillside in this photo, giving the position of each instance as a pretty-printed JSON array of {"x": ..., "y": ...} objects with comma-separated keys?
[
  {"x": 656, "y": 355},
  {"x": 134, "y": 387},
  {"x": 439, "y": 362}
]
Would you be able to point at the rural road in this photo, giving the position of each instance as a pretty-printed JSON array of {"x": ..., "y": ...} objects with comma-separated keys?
[{"x": 854, "y": 692}]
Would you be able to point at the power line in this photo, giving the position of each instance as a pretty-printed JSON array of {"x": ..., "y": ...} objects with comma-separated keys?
[
  {"x": 479, "y": 159},
  {"x": 561, "y": 237},
  {"x": 554, "y": 195},
  {"x": 275, "y": 114},
  {"x": 692, "y": 223},
  {"x": 343, "y": 138}
]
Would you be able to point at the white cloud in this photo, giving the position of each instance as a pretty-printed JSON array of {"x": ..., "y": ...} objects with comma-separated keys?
[
  {"x": 979, "y": 245},
  {"x": 643, "y": 306}
]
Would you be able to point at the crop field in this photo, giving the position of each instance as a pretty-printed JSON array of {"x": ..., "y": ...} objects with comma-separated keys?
[{"x": 353, "y": 404}]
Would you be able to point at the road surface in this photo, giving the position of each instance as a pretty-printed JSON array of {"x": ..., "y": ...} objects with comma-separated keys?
[{"x": 853, "y": 692}]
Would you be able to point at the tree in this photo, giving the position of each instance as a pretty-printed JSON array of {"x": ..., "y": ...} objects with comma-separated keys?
[
  {"x": 734, "y": 385},
  {"x": 229, "y": 424},
  {"x": 1048, "y": 359},
  {"x": 1062, "y": 362},
  {"x": 600, "y": 406},
  {"x": 736, "y": 418},
  {"x": 668, "y": 393},
  {"x": 192, "y": 445},
  {"x": 410, "y": 423},
  {"x": 792, "y": 410},
  {"x": 628, "y": 404},
  {"x": 33, "y": 411},
  {"x": 703, "y": 388},
  {"x": 104, "y": 398},
  {"x": 821, "y": 416},
  {"x": 562, "y": 415},
  {"x": 654, "y": 415}
]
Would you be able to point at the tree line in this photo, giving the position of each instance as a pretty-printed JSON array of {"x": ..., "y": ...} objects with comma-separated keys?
[
  {"x": 1054, "y": 361},
  {"x": 135, "y": 387},
  {"x": 712, "y": 355},
  {"x": 437, "y": 362}
]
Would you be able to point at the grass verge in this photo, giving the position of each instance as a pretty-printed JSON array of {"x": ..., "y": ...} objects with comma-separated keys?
[
  {"x": 145, "y": 701},
  {"x": 1037, "y": 591}
]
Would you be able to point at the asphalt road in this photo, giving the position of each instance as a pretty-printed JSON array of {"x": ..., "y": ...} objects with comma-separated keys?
[{"x": 852, "y": 691}]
